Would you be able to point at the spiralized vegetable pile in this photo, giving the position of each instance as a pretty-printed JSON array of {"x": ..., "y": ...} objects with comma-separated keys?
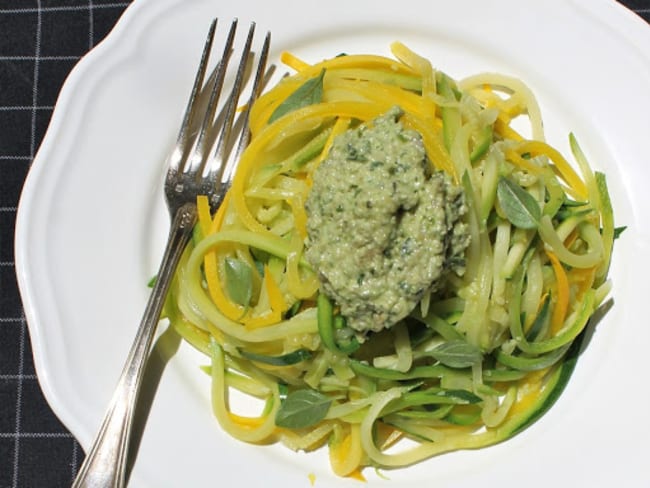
[{"x": 475, "y": 362}]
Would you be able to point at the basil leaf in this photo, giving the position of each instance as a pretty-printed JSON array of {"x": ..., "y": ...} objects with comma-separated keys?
[
  {"x": 519, "y": 206},
  {"x": 457, "y": 354},
  {"x": 302, "y": 408},
  {"x": 239, "y": 281},
  {"x": 309, "y": 93}
]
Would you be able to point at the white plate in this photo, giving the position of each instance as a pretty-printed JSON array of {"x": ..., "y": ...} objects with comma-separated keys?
[{"x": 88, "y": 239}]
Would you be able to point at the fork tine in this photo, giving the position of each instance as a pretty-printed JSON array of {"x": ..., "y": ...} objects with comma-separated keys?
[
  {"x": 196, "y": 160},
  {"x": 218, "y": 160},
  {"x": 244, "y": 137},
  {"x": 181, "y": 146}
]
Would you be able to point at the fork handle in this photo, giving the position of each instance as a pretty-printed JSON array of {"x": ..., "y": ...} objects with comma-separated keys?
[{"x": 105, "y": 463}]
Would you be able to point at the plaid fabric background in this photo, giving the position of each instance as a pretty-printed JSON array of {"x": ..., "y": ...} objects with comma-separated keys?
[{"x": 40, "y": 42}]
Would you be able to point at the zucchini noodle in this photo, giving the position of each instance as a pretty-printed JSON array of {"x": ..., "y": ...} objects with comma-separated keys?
[{"x": 479, "y": 358}]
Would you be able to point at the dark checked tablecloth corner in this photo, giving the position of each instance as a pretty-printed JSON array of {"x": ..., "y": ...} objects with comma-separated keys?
[{"x": 40, "y": 42}]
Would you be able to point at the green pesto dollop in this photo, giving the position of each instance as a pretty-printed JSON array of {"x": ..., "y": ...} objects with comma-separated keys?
[{"x": 383, "y": 227}]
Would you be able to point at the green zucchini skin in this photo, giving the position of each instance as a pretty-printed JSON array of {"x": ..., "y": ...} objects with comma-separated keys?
[{"x": 558, "y": 383}]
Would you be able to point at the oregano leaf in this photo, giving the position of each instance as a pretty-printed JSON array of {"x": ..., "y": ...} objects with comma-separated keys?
[
  {"x": 520, "y": 207},
  {"x": 309, "y": 93},
  {"x": 239, "y": 281},
  {"x": 302, "y": 408},
  {"x": 457, "y": 354}
]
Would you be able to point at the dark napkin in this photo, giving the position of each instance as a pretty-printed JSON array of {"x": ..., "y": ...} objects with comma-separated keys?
[{"x": 40, "y": 42}]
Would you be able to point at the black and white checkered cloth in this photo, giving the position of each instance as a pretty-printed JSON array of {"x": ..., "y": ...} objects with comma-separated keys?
[{"x": 40, "y": 42}]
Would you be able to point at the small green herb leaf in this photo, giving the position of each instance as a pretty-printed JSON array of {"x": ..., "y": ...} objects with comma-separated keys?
[
  {"x": 239, "y": 281},
  {"x": 519, "y": 206},
  {"x": 302, "y": 408},
  {"x": 618, "y": 231},
  {"x": 457, "y": 354},
  {"x": 309, "y": 93}
]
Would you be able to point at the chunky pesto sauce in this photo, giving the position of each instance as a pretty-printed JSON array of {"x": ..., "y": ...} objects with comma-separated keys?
[{"x": 383, "y": 227}]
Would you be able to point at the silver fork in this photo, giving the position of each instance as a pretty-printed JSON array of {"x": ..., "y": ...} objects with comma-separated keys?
[{"x": 192, "y": 171}]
